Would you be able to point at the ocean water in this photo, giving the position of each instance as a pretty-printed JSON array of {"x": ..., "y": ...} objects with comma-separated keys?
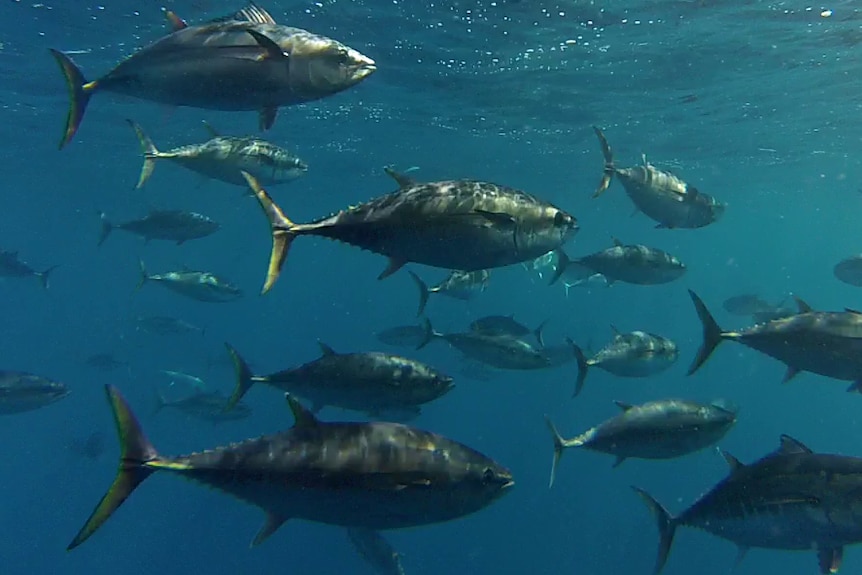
[{"x": 754, "y": 102}]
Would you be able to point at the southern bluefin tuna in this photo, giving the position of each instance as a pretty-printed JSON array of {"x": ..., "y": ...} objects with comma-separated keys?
[
  {"x": 198, "y": 285},
  {"x": 461, "y": 224},
  {"x": 245, "y": 62},
  {"x": 824, "y": 342},
  {"x": 376, "y": 551},
  {"x": 634, "y": 264},
  {"x": 369, "y": 475},
  {"x": 634, "y": 354},
  {"x": 849, "y": 271},
  {"x": 792, "y": 499},
  {"x": 402, "y": 335},
  {"x": 370, "y": 382},
  {"x": 170, "y": 225},
  {"x": 11, "y": 266},
  {"x": 458, "y": 284},
  {"x": 166, "y": 325},
  {"x": 21, "y": 391},
  {"x": 507, "y": 325},
  {"x": 224, "y": 158},
  {"x": 206, "y": 406},
  {"x": 500, "y": 351},
  {"x": 660, "y": 195},
  {"x": 661, "y": 429}
]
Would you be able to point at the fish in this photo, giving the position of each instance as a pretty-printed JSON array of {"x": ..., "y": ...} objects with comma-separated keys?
[
  {"x": 11, "y": 266},
  {"x": 662, "y": 429},
  {"x": 204, "y": 405},
  {"x": 634, "y": 264},
  {"x": 573, "y": 276},
  {"x": 90, "y": 447},
  {"x": 370, "y": 382},
  {"x": 224, "y": 157},
  {"x": 402, "y": 335},
  {"x": 791, "y": 499},
  {"x": 191, "y": 380},
  {"x": 660, "y": 195},
  {"x": 369, "y": 475},
  {"x": 823, "y": 342},
  {"x": 376, "y": 551},
  {"x": 458, "y": 284},
  {"x": 745, "y": 304},
  {"x": 500, "y": 351},
  {"x": 21, "y": 391},
  {"x": 633, "y": 354},
  {"x": 198, "y": 285},
  {"x": 170, "y": 225},
  {"x": 849, "y": 271},
  {"x": 506, "y": 325},
  {"x": 461, "y": 224},
  {"x": 106, "y": 362},
  {"x": 244, "y": 62},
  {"x": 166, "y": 325}
]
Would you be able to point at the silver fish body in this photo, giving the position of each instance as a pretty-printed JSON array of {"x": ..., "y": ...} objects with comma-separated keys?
[
  {"x": 634, "y": 264},
  {"x": 21, "y": 391},
  {"x": 198, "y": 285}
]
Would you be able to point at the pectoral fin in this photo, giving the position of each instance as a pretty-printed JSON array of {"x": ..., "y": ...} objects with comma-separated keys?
[
  {"x": 267, "y": 118},
  {"x": 393, "y": 266},
  {"x": 272, "y": 49},
  {"x": 829, "y": 559},
  {"x": 270, "y": 525},
  {"x": 498, "y": 218}
]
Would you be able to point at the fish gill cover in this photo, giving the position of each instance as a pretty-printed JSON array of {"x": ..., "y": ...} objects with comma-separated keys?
[{"x": 751, "y": 106}]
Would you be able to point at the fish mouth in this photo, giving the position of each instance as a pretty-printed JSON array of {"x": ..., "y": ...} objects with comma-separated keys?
[{"x": 362, "y": 64}]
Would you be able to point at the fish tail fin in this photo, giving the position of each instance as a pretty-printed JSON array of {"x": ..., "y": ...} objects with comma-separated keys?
[
  {"x": 712, "y": 333},
  {"x": 563, "y": 262},
  {"x": 144, "y": 277},
  {"x": 159, "y": 402},
  {"x": 559, "y": 446},
  {"x": 423, "y": 292},
  {"x": 583, "y": 366},
  {"x": 79, "y": 94},
  {"x": 609, "y": 169},
  {"x": 106, "y": 229},
  {"x": 136, "y": 452},
  {"x": 666, "y": 528},
  {"x": 428, "y": 335},
  {"x": 283, "y": 231},
  {"x": 148, "y": 148},
  {"x": 539, "y": 335},
  {"x": 45, "y": 276},
  {"x": 244, "y": 378}
]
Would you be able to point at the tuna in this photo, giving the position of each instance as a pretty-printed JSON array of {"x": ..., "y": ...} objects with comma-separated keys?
[
  {"x": 206, "y": 406},
  {"x": 660, "y": 195},
  {"x": 11, "y": 266},
  {"x": 197, "y": 285},
  {"x": 634, "y": 264},
  {"x": 461, "y": 224},
  {"x": 244, "y": 62},
  {"x": 500, "y": 351},
  {"x": 792, "y": 499},
  {"x": 366, "y": 475},
  {"x": 166, "y": 325},
  {"x": 634, "y": 354},
  {"x": 21, "y": 391},
  {"x": 849, "y": 271},
  {"x": 224, "y": 158},
  {"x": 403, "y": 335},
  {"x": 662, "y": 429},
  {"x": 458, "y": 284},
  {"x": 506, "y": 325},
  {"x": 828, "y": 343},
  {"x": 371, "y": 382},
  {"x": 169, "y": 225}
]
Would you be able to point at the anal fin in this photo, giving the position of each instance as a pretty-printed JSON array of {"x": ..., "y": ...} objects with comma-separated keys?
[
  {"x": 394, "y": 265},
  {"x": 270, "y": 525},
  {"x": 267, "y": 118},
  {"x": 829, "y": 559}
]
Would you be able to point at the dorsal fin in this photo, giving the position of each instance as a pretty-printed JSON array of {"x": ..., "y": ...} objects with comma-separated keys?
[
  {"x": 210, "y": 130},
  {"x": 851, "y": 310},
  {"x": 251, "y": 13},
  {"x": 789, "y": 446},
  {"x": 325, "y": 349},
  {"x": 302, "y": 416},
  {"x": 615, "y": 330},
  {"x": 623, "y": 406},
  {"x": 403, "y": 180},
  {"x": 617, "y": 242},
  {"x": 732, "y": 462},
  {"x": 803, "y": 307}
]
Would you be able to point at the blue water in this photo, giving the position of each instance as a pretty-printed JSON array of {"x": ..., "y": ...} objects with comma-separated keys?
[{"x": 472, "y": 89}]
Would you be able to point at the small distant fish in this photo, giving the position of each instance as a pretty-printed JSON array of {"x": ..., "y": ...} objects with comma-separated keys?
[
  {"x": 369, "y": 475},
  {"x": 634, "y": 354},
  {"x": 849, "y": 270},
  {"x": 225, "y": 158},
  {"x": 11, "y": 266},
  {"x": 661, "y": 429},
  {"x": 792, "y": 499},
  {"x": 244, "y": 62},
  {"x": 402, "y": 335},
  {"x": 506, "y": 325},
  {"x": 192, "y": 381},
  {"x": 206, "y": 406},
  {"x": 106, "y": 362},
  {"x": 500, "y": 351},
  {"x": 753, "y": 305},
  {"x": 634, "y": 264},
  {"x": 573, "y": 275},
  {"x": 461, "y": 224},
  {"x": 660, "y": 195},
  {"x": 458, "y": 284},
  {"x": 21, "y": 391},
  {"x": 170, "y": 225},
  {"x": 376, "y": 551},
  {"x": 166, "y": 325},
  {"x": 197, "y": 285},
  {"x": 90, "y": 447}
]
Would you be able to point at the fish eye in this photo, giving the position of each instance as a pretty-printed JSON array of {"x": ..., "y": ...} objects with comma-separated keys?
[
  {"x": 341, "y": 56},
  {"x": 488, "y": 476},
  {"x": 560, "y": 219}
]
